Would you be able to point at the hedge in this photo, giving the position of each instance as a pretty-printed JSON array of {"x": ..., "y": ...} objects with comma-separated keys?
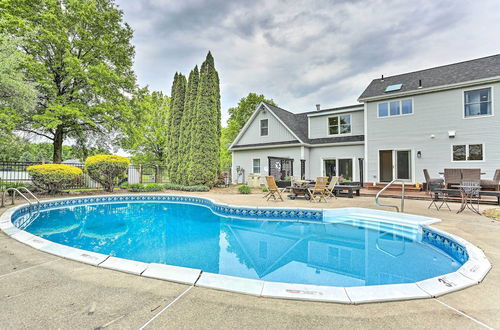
[
  {"x": 175, "y": 186},
  {"x": 139, "y": 187},
  {"x": 53, "y": 177},
  {"x": 106, "y": 169}
]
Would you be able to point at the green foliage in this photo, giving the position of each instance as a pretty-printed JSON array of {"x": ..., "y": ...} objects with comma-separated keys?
[
  {"x": 174, "y": 186},
  {"x": 175, "y": 118},
  {"x": 244, "y": 189},
  {"x": 238, "y": 116},
  {"x": 17, "y": 94},
  {"x": 187, "y": 124},
  {"x": 264, "y": 189},
  {"x": 150, "y": 187},
  {"x": 80, "y": 56},
  {"x": 124, "y": 185},
  {"x": 106, "y": 169},
  {"x": 205, "y": 143},
  {"x": 4, "y": 185},
  {"x": 145, "y": 136},
  {"x": 53, "y": 177}
]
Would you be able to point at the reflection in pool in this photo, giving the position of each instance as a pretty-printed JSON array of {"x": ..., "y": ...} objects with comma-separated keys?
[{"x": 337, "y": 254}]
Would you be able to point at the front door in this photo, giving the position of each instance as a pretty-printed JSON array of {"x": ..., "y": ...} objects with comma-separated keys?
[{"x": 385, "y": 165}]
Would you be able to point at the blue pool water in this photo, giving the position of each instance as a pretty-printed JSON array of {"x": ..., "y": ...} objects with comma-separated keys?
[{"x": 337, "y": 254}]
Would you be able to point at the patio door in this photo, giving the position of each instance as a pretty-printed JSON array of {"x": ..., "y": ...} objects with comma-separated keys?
[{"x": 395, "y": 164}]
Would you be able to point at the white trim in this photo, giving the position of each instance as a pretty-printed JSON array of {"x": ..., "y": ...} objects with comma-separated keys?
[
  {"x": 412, "y": 180},
  {"x": 260, "y": 127},
  {"x": 253, "y": 166},
  {"x": 338, "y": 134},
  {"x": 365, "y": 131},
  {"x": 466, "y": 161},
  {"x": 354, "y": 166},
  {"x": 334, "y": 112},
  {"x": 491, "y": 87},
  {"x": 277, "y": 145},
  {"x": 401, "y": 114},
  {"x": 430, "y": 89}
]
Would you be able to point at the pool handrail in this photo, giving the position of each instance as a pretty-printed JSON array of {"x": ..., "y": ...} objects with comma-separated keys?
[{"x": 377, "y": 202}]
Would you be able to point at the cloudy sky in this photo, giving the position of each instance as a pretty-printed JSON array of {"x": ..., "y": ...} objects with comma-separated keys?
[{"x": 301, "y": 53}]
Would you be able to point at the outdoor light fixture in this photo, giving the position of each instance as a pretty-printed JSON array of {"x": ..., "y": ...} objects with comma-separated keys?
[
  {"x": 451, "y": 134},
  {"x": 419, "y": 154},
  {"x": 432, "y": 136}
]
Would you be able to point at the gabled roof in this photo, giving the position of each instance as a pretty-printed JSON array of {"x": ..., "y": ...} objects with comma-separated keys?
[
  {"x": 296, "y": 122},
  {"x": 456, "y": 73}
]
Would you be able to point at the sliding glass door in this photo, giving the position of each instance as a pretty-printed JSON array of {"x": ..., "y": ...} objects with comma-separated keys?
[
  {"x": 338, "y": 167},
  {"x": 395, "y": 164}
]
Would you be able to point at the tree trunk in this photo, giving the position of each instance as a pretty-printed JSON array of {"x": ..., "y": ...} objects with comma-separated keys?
[{"x": 58, "y": 143}]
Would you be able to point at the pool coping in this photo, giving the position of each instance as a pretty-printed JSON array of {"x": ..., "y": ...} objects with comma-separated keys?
[{"x": 472, "y": 272}]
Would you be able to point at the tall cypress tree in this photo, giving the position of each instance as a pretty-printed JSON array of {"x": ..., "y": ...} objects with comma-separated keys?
[
  {"x": 188, "y": 118},
  {"x": 176, "y": 111},
  {"x": 205, "y": 147}
]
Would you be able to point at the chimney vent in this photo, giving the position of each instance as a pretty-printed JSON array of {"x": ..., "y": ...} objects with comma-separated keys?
[
  {"x": 420, "y": 83},
  {"x": 382, "y": 79},
  {"x": 317, "y": 107}
]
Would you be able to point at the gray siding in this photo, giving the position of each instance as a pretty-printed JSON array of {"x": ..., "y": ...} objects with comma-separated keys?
[
  {"x": 318, "y": 125},
  {"x": 277, "y": 132},
  {"x": 318, "y": 154},
  {"x": 244, "y": 159},
  {"x": 435, "y": 114}
]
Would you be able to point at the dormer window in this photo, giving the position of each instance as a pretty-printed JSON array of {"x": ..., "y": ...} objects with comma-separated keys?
[
  {"x": 339, "y": 125},
  {"x": 264, "y": 127}
]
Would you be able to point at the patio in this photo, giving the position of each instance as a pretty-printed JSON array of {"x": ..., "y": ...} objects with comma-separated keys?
[{"x": 35, "y": 287}]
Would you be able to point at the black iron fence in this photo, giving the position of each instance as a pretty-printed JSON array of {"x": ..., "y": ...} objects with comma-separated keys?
[{"x": 16, "y": 173}]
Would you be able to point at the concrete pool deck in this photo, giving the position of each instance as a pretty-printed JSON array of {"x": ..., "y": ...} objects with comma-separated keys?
[{"x": 39, "y": 290}]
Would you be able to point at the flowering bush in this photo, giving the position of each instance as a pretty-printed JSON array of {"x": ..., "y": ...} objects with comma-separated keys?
[
  {"x": 53, "y": 177},
  {"x": 106, "y": 169}
]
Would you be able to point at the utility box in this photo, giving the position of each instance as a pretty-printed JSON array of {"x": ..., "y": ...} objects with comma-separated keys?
[{"x": 253, "y": 180}]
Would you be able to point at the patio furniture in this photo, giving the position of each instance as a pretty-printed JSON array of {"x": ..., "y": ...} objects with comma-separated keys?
[
  {"x": 299, "y": 189},
  {"x": 495, "y": 183},
  {"x": 470, "y": 194},
  {"x": 452, "y": 176},
  {"x": 429, "y": 180},
  {"x": 331, "y": 186},
  {"x": 318, "y": 192},
  {"x": 471, "y": 174},
  {"x": 438, "y": 195},
  {"x": 350, "y": 189},
  {"x": 274, "y": 191}
]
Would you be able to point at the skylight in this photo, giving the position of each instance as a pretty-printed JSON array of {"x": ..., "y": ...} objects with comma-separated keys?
[{"x": 393, "y": 88}]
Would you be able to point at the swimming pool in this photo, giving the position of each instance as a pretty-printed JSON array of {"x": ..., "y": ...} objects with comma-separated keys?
[{"x": 345, "y": 255}]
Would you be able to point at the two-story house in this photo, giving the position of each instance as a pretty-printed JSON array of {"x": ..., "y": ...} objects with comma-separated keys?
[{"x": 437, "y": 118}]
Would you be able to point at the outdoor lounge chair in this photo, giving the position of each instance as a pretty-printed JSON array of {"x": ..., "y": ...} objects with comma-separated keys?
[
  {"x": 429, "y": 180},
  {"x": 331, "y": 186},
  {"x": 318, "y": 192},
  {"x": 495, "y": 183},
  {"x": 452, "y": 176},
  {"x": 471, "y": 174},
  {"x": 274, "y": 191}
]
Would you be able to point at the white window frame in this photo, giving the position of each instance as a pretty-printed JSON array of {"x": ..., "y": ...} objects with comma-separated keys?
[
  {"x": 253, "y": 166},
  {"x": 338, "y": 116},
  {"x": 478, "y": 116},
  {"x": 400, "y": 107},
  {"x": 483, "y": 150},
  {"x": 336, "y": 159},
  {"x": 260, "y": 127}
]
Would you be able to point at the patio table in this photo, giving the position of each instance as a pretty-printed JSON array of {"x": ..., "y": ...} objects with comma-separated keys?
[
  {"x": 299, "y": 189},
  {"x": 467, "y": 194}
]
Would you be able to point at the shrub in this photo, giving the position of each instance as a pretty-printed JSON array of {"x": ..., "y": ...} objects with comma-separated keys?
[
  {"x": 139, "y": 187},
  {"x": 53, "y": 177},
  {"x": 106, "y": 169},
  {"x": 264, "y": 189},
  {"x": 175, "y": 186},
  {"x": 4, "y": 185},
  {"x": 244, "y": 189},
  {"x": 124, "y": 185}
]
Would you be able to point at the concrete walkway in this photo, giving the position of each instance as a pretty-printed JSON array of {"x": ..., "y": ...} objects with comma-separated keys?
[{"x": 41, "y": 291}]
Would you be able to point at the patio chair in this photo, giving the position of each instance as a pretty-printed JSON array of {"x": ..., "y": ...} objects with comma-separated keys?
[
  {"x": 274, "y": 191},
  {"x": 452, "y": 176},
  {"x": 331, "y": 186},
  {"x": 495, "y": 183},
  {"x": 318, "y": 192},
  {"x": 438, "y": 195},
  {"x": 429, "y": 180},
  {"x": 470, "y": 191},
  {"x": 471, "y": 174}
]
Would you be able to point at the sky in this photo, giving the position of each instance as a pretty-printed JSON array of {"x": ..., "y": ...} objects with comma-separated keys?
[{"x": 303, "y": 53}]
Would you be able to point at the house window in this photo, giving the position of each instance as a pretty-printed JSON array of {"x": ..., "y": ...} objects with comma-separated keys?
[
  {"x": 477, "y": 102},
  {"x": 339, "y": 125},
  {"x": 395, "y": 108},
  {"x": 463, "y": 152},
  {"x": 338, "y": 167},
  {"x": 264, "y": 127},
  {"x": 256, "y": 166}
]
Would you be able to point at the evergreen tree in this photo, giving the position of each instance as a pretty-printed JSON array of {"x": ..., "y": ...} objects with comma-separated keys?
[
  {"x": 188, "y": 118},
  {"x": 175, "y": 118},
  {"x": 205, "y": 147}
]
